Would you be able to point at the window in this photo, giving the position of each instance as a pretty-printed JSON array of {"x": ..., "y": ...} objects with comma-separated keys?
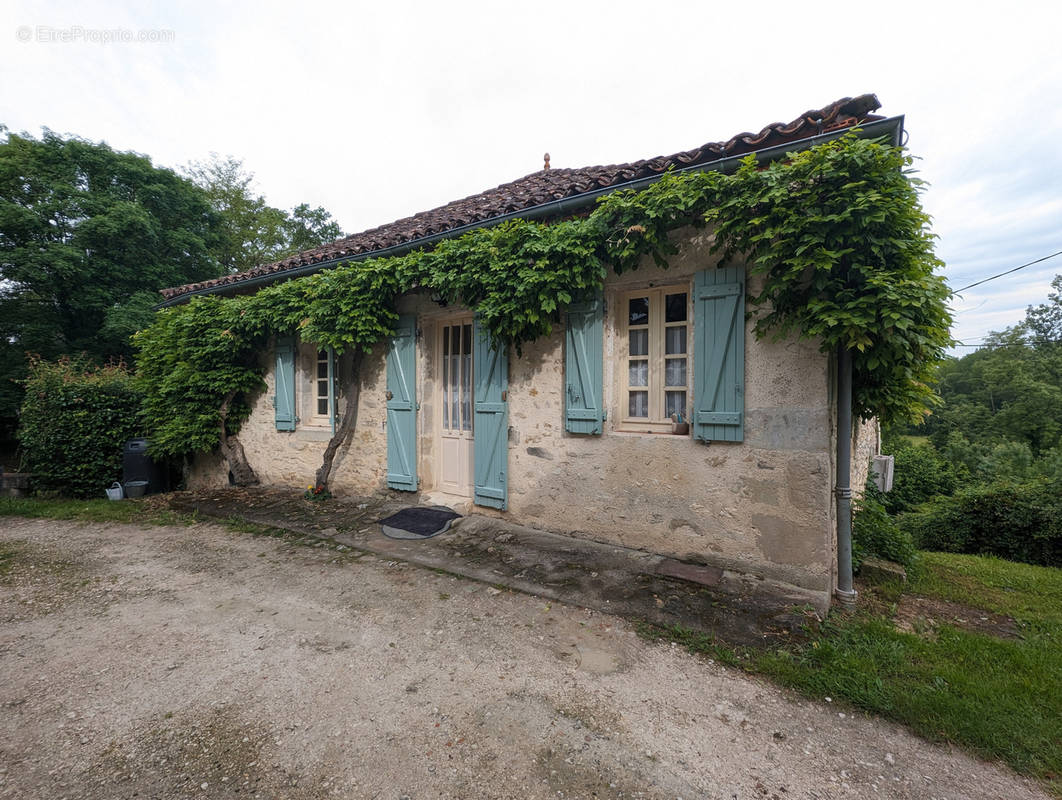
[
  {"x": 322, "y": 396},
  {"x": 656, "y": 375}
]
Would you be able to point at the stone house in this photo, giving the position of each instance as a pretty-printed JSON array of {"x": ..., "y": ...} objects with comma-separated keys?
[{"x": 650, "y": 418}]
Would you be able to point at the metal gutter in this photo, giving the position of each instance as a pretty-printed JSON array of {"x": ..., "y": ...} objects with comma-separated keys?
[{"x": 892, "y": 126}]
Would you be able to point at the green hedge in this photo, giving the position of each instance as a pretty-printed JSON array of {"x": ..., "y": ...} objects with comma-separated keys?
[
  {"x": 75, "y": 419},
  {"x": 920, "y": 474},
  {"x": 1016, "y": 522},
  {"x": 875, "y": 533}
]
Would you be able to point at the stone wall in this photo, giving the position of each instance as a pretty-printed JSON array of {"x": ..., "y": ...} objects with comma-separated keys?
[
  {"x": 762, "y": 506},
  {"x": 866, "y": 443}
]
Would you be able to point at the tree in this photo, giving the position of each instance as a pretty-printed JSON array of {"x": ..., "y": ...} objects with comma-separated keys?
[
  {"x": 253, "y": 232},
  {"x": 87, "y": 237},
  {"x": 1044, "y": 322},
  {"x": 1002, "y": 410}
]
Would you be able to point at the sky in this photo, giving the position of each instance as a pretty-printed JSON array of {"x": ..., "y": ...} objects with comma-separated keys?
[{"x": 376, "y": 111}]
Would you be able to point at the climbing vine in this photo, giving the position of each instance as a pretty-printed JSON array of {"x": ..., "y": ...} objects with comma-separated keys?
[{"x": 837, "y": 233}]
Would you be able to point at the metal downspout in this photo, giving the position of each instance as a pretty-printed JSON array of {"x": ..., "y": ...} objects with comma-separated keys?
[{"x": 844, "y": 592}]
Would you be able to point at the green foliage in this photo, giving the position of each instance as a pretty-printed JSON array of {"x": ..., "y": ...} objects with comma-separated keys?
[
  {"x": 1009, "y": 390},
  {"x": 1043, "y": 323},
  {"x": 252, "y": 231},
  {"x": 74, "y": 422},
  {"x": 140, "y": 511},
  {"x": 837, "y": 233},
  {"x": 844, "y": 250},
  {"x": 1030, "y": 594},
  {"x": 920, "y": 473},
  {"x": 85, "y": 232},
  {"x": 844, "y": 247},
  {"x": 1008, "y": 462},
  {"x": 875, "y": 533},
  {"x": 519, "y": 275},
  {"x": 996, "y": 697},
  {"x": 191, "y": 359},
  {"x": 1017, "y": 522}
]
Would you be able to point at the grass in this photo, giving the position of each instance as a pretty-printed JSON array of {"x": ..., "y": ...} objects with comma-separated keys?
[
  {"x": 999, "y": 698},
  {"x": 139, "y": 511},
  {"x": 918, "y": 441}
]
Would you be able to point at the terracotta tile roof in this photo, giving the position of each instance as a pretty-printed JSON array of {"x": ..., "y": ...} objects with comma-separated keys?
[{"x": 549, "y": 185}]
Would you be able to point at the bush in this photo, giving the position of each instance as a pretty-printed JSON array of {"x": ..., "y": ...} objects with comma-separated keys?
[
  {"x": 875, "y": 533},
  {"x": 75, "y": 419},
  {"x": 919, "y": 474},
  {"x": 1017, "y": 522},
  {"x": 1008, "y": 462}
]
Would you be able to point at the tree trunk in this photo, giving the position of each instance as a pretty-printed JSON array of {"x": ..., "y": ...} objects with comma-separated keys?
[
  {"x": 345, "y": 429},
  {"x": 232, "y": 450}
]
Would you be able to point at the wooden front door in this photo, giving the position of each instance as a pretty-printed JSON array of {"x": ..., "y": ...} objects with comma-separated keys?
[{"x": 455, "y": 439}]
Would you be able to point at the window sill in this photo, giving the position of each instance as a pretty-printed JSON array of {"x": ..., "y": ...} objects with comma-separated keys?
[
  {"x": 652, "y": 429},
  {"x": 313, "y": 433}
]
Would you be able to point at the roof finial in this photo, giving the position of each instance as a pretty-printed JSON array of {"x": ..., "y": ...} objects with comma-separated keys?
[{"x": 546, "y": 158}]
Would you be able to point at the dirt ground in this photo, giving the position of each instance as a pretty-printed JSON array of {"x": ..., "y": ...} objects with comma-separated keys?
[{"x": 196, "y": 662}]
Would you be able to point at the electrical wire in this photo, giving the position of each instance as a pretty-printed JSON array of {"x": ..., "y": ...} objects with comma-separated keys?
[
  {"x": 1000, "y": 275},
  {"x": 1026, "y": 343}
]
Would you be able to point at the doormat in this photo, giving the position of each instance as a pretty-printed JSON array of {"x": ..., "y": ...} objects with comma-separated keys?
[{"x": 418, "y": 522}]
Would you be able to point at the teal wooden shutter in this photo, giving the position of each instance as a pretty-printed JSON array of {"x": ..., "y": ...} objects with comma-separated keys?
[
  {"x": 402, "y": 407},
  {"x": 284, "y": 399},
  {"x": 490, "y": 420},
  {"x": 719, "y": 355},
  {"x": 584, "y": 342}
]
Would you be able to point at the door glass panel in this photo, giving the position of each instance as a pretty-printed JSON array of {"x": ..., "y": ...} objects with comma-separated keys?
[
  {"x": 638, "y": 309},
  {"x": 675, "y": 308},
  {"x": 675, "y": 339},
  {"x": 639, "y": 404},
  {"x": 445, "y": 379},
  {"x": 675, "y": 372},
  {"x": 455, "y": 376},
  {"x": 466, "y": 377}
]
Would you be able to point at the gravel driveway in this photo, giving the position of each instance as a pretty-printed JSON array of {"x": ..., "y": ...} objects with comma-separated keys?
[{"x": 195, "y": 662}]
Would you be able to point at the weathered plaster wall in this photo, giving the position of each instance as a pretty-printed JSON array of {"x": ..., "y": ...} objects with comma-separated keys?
[
  {"x": 866, "y": 443},
  {"x": 763, "y": 505},
  {"x": 291, "y": 458}
]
